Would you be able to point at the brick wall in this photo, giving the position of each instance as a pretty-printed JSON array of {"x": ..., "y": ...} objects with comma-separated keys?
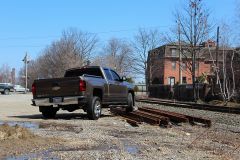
[{"x": 169, "y": 71}]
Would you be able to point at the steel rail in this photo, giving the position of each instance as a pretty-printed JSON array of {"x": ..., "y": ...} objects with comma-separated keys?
[{"x": 223, "y": 109}]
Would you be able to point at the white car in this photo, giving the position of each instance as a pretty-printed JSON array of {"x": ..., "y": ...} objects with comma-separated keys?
[{"x": 19, "y": 88}]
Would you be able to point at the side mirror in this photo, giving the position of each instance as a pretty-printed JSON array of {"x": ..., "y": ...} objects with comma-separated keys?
[{"x": 124, "y": 78}]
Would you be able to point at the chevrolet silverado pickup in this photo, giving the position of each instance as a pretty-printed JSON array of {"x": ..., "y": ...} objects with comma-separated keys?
[{"x": 89, "y": 88}]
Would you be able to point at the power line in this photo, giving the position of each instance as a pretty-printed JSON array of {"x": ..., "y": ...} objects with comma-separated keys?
[
  {"x": 57, "y": 36},
  {"x": 133, "y": 29},
  {"x": 102, "y": 32},
  {"x": 31, "y": 37},
  {"x": 24, "y": 46}
]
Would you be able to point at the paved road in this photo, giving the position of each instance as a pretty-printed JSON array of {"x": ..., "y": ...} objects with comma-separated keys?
[
  {"x": 17, "y": 107},
  {"x": 13, "y": 106}
]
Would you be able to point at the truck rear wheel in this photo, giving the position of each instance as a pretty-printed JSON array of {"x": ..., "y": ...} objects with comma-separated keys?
[
  {"x": 48, "y": 111},
  {"x": 94, "y": 109},
  {"x": 130, "y": 103}
]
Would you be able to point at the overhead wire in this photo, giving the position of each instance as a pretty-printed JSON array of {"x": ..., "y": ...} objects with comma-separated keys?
[{"x": 57, "y": 36}]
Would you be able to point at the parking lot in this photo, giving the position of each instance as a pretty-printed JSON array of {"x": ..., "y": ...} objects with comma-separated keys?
[{"x": 73, "y": 136}]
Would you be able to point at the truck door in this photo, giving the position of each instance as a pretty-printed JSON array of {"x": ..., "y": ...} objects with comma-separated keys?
[
  {"x": 119, "y": 89},
  {"x": 110, "y": 86}
]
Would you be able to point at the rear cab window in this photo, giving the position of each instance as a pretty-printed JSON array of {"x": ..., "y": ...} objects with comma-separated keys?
[{"x": 81, "y": 71}]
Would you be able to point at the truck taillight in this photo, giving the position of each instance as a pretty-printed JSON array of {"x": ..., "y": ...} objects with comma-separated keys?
[
  {"x": 82, "y": 85},
  {"x": 33, "y": 89}
]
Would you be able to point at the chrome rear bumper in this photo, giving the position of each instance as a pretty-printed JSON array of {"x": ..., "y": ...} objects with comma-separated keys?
[{"x": 65, "y": 101}]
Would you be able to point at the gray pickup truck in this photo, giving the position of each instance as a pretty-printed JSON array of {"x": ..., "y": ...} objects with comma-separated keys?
[{"x": 89, "y": 88}]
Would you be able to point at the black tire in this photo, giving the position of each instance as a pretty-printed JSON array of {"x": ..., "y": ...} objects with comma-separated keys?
[
  {"x": 6, "y": 91},
  {"x": 48, "y": 112},
  {"x": 130, "y": 103},
  {"x": 94, "y": 108}
]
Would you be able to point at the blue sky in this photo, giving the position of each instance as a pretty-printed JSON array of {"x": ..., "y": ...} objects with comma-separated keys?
[{"x": 29, "y": 25}]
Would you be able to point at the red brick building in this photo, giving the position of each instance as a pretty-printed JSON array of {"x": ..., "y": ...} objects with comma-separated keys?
[{"x": 163, "y": 63}]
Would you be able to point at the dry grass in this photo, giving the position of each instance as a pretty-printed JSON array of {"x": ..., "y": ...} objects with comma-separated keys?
[
  {"x": 15, "y": 132},
  {"x": 16, "y": 140},
  {"x": 221, "y": 103}
]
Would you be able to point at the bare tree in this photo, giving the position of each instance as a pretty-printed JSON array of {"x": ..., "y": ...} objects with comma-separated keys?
[
  {"x": 74, "y": 49},
  {"x": 117, "y": 54},
  {"x": 5, "y": 73},
  {"x": 83, "y": 43},
  {"x": 193, "y": 28},
  {"x": 144, "y": 41},
  {"x": 225, "y": 71}
]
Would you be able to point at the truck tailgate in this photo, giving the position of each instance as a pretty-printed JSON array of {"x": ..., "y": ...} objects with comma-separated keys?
[{"x": 57, "y": 87}]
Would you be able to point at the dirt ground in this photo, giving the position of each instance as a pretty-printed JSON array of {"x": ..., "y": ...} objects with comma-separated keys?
[{"x": 73, "y": 136}]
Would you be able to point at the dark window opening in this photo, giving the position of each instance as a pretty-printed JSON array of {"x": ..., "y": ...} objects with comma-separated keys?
[
  {"x": 173, "y": 52},
  {"x": 184, "y": 79},
  {"x": 173, "y": 65},
  {"x": 184, "y": 65},
  {"x": 82, "y": 71},
  {"x": 196, "y": 65}
]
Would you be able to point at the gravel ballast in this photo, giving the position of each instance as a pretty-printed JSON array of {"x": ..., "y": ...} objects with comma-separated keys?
[{"x": 111, "y": 137}]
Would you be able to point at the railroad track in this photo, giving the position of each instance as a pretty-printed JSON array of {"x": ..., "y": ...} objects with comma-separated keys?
[
  {"x": 158, "y": 117},
  {"x": 224, "y": 109}
]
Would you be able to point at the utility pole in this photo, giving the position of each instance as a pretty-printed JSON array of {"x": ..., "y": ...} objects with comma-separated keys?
[
  {"x": 25, "y": 60},
  {"x": 217, "y": 48},
  {"x": 194, "y": 5},
  {"x": 180, "y": 52}
]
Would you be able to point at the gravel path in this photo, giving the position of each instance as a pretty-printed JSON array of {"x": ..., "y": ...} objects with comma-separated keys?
[{"x": 112, "y": 138}]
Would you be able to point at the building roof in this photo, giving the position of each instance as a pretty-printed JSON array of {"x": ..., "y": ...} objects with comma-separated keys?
[{"x": 208, "y": 53}]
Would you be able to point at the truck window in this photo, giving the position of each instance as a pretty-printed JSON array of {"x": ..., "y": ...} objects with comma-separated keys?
[
  {"x": 81, "y": 71},
  {"x": 115, "y": 76},
  {"x": 108, "y": 74}
]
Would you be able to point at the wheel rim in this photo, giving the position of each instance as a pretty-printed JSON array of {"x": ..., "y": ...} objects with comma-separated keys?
[{"x": 97, "y": 108}]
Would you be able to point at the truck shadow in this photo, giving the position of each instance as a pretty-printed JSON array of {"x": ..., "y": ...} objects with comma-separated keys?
[{"x": 62, "y": 116}]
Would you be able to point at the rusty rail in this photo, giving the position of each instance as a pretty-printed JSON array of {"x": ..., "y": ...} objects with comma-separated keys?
[
  {"x": 137, "y": 117},
  {"x": 172, "y": 116},
  {"x": 179, "y": 117}
]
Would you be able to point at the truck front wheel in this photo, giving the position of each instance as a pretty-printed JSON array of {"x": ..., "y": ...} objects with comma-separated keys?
[
  {"x": 48, "y": 111},
  {"x": 94, "y": 109}
]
